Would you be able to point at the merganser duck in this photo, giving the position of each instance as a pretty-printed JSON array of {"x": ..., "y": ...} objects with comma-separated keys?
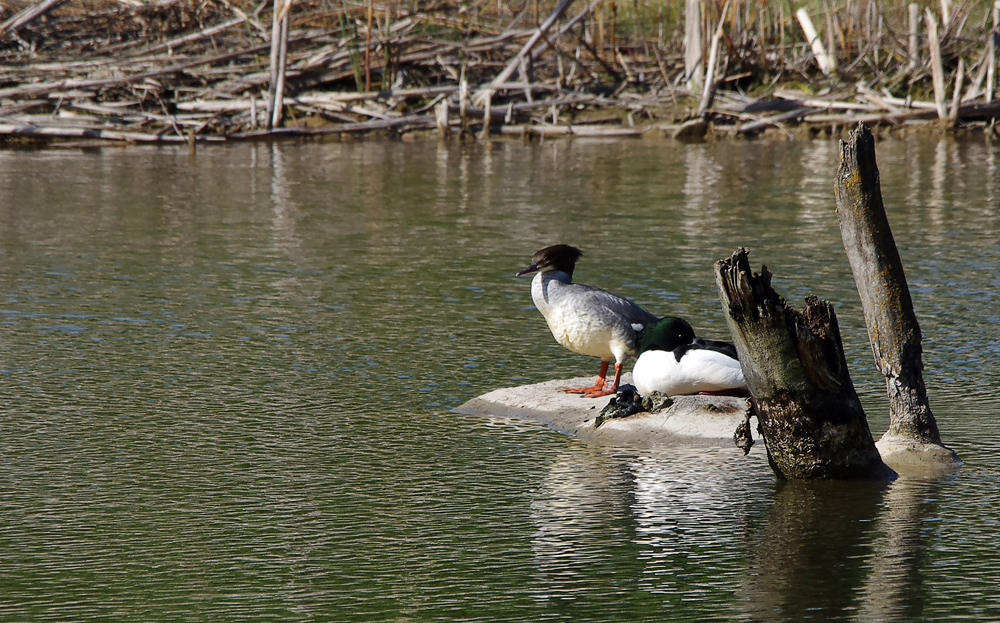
[
  {"x": 673, "y": 361},
  {"x": 585, "y": 319}
]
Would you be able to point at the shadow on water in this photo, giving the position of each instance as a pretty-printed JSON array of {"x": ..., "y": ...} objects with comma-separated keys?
[
  {"x": 702, "y": 534},
  {"x": 831, "y": 551}
]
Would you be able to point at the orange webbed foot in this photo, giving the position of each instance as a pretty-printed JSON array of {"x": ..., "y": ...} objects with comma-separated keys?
[
  {"x": 597, "y": 393},
  {"x": 584, "y": 390},
  {"x": 598, "y": 385}
]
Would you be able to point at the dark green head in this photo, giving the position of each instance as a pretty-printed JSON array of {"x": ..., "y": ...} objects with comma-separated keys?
[{"x": 665, "y": 334}]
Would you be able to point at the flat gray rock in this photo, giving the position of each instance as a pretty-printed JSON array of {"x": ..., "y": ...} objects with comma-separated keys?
[{"x": 709, "y": 420}]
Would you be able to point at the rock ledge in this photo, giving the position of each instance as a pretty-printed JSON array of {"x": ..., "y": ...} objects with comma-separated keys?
[{"x": 709, "y": 420}]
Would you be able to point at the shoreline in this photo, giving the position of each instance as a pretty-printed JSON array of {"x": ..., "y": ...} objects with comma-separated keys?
[
  {"x": 30, "y": 136},
  {"x": 178, "y": 72}
]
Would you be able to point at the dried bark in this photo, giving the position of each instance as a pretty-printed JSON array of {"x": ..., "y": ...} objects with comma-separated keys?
[
  {"x": 810, "y": 415},
  {"x": 885, "y": 297}
]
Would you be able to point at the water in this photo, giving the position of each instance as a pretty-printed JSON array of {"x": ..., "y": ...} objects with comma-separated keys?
[{"x": 226, "y": 383}]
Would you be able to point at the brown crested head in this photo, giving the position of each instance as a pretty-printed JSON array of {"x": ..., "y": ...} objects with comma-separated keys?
[{"x": 560, "y": 257}]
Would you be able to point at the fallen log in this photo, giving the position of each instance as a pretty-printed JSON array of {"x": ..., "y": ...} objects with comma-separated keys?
[
  {"x": 29, "y": 14},
  {"x": 760, "y": 124},
  {"x": 196, "y": 36},
  {"x": 411, "y": 123},
  {"x": 810, "y": 416},
  {"x": 7, "y": 129},
  {"x": 885, "y": 298},
  {"x": 514, "y": 63},
  {"x": 572, "y": 130}
]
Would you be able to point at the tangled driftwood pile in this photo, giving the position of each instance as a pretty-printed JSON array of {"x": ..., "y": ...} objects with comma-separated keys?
[{"x": 181, "y": 70}]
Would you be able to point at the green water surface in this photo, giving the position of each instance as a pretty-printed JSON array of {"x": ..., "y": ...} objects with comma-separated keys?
[{"x": 226, "y": 384}]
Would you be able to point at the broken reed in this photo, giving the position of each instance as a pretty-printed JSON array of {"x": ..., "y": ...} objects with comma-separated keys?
[
  {"x": 866, "y": 38},
  {"x": 884, "y": 44}
]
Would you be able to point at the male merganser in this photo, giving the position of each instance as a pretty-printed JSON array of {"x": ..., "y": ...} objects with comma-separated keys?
[
  {"x": 585, "y": 319},
  {"x": 673, "y": 361}
]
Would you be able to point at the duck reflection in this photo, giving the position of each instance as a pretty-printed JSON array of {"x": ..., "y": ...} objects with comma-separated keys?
[
  {"x": 708, "y": 532},
  {"x": 581, "y": 503},
  {"x": 677, "y": 520}
]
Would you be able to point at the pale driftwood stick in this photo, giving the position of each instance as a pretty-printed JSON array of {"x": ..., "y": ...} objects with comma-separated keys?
[
  {"x": 525, "y": 81},
  {"x": 463, "y": 103},
  {"x": 914, "y": 47},
  {"x": 781, "y": 36},
  {"x": 663, "y": 69},
  {"x": 973, "y": 91},
  {"x": 336, "y": 51},
  {"x": 260, "y": 27},
  {"x": 546, "y": 44},
  {"x": 60, "y": 85},
  {"x": 414, "y": 122},
  {"x": 368, "y": 47},
  {"x": 279, "y": 91},
  {"x": 809, "y": 413},
  {"x": 831, "y": 49},
  {"x": 892, "y": 118},
  {"x": 428, "y": 106},
  {"x": 713, "y": 57},
  {"x": 516, "y": 61},
  {"x": 530, "y": 86},
  {"x": 331, "y": 98},
  {"x": 694, "y": 71},
  {"x": 20, "y": 107},
  {"x": 136, "y": 115},
  {"x": 571, "y": 130},
  {"x": 798, "y": 113},
  {"x": 337, "y": 73},
  {"x": 885, "y": 298},
  {"x": 441, "y": 119},
  {"x": 30, "y": 14},
  {"x": 900, "y": 102},
  {"x": 208, "y": 32},
  {"x": 597, "y": 130},
  {"x": 994, "y": 43},
  {"x": 487, "y": 117},
  {"x": 507, "y": 112},
  {"x": 112, "y": 135},
  {"x": 279, "y": 61},
  {"x": 337, "y": 107},
  {"x": 277, "y": 27},
  {"x": 823, "y": 59},
  {"x": 937, "y": 70},
  {"x": 956, "y": 96},
  {"x": 815, "y": 102},
  {"x": 879, "y": 101}
]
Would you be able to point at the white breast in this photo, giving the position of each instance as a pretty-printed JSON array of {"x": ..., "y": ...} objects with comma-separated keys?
[{"x": 587, "y": 320}]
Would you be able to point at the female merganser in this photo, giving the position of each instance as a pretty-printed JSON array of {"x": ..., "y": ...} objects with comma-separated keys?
[
  {"x": 585, "y": 319},
  {"x": 673, "y": 361}
]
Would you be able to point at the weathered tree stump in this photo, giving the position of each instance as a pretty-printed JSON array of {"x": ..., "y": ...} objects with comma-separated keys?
[
  {"x": 885, "y": 299},
  {"x": 810, "y": 415}
]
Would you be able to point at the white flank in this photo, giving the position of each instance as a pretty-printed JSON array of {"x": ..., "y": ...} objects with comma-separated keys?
[{"x": 699, "y": 370}]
